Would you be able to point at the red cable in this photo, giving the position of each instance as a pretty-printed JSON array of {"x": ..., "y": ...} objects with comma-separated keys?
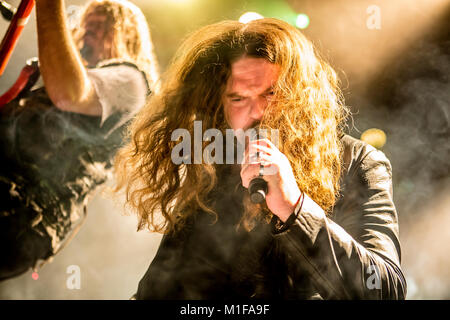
[
  {"x": 15, "y": 28},
  {"x": 18, "y": 86}
]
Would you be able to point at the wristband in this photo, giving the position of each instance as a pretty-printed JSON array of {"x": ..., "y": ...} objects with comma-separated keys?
[{"x": 278, "y": 226}]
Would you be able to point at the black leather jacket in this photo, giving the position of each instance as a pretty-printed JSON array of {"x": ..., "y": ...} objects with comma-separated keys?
[{"x": 354, "y": 254}]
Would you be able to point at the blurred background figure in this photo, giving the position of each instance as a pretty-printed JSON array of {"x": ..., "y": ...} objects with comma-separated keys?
[{"x": 58, "y": 140}]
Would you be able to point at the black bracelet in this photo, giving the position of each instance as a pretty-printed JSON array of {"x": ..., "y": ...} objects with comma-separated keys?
[{"x": 278, "y": 226}]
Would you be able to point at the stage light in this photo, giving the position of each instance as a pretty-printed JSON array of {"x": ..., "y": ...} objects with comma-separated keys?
[
  {"x": 250, "y": 16},
  {"x": 374, "y": 137},
  {"x": 302, "y": 21}
]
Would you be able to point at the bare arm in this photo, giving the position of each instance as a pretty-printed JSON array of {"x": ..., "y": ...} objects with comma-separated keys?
[{"x": 63, "y": 72}]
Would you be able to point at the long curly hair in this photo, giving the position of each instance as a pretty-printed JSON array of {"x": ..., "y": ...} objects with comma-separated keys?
[
  {"x": 307, "y": 109},
  {"x": 130, "y": 33}
]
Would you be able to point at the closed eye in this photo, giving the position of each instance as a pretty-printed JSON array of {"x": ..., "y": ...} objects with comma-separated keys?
[{"x": 236, "y": 98}]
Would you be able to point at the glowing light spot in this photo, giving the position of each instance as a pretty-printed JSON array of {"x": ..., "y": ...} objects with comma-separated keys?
[
  {"x": 250, "y": 16},
  {"x": 302, "y": 21},
  {"x": 35, "y": 275},
  {"x": 374, "y": 137}
]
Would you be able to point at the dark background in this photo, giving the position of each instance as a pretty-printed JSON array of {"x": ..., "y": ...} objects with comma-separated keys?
[{"x": 395, "y": 78}]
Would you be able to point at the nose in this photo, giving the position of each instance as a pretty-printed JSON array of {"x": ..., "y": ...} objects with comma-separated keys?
[{"x": 257, "y": 108}]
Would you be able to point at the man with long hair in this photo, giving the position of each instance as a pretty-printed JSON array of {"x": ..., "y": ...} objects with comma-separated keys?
[
  {"x": 59, "y": 140},
  {"x": 328, "y": 227}
]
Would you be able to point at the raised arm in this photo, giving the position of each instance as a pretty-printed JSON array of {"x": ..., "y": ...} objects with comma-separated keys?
[{"x": 62, "y": 69}]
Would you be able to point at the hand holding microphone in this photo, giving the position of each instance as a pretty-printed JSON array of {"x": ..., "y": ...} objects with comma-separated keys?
[{"x": 268, "y": 175}]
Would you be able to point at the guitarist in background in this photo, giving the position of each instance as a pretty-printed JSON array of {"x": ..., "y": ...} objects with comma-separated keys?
[{"x": 58, "y": 141}]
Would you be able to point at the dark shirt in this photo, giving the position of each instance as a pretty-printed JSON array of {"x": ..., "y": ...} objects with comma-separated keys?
[
  {"x": 53, "y": 161},
  {"x": 353, "y": 254}
]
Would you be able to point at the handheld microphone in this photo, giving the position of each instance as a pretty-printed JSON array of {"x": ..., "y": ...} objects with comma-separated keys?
[
  {"x": 258, "y": 186},
  {"x": 258, "y": 190},
  {"x": 86, "y": 52}
]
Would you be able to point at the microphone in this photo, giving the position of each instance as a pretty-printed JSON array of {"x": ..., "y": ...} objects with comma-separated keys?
[
  {"x": 258, "y": 189},
  {"x": 258, "y": 186},
  {"x": 86, "y": 52}
]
